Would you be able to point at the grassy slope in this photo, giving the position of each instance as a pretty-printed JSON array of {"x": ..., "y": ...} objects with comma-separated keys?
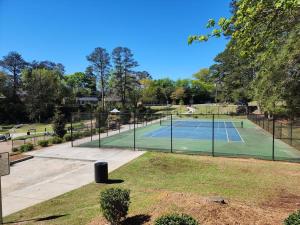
[
  {"x": 150, "y": 175},
  {"x": 200, "y": 108}
]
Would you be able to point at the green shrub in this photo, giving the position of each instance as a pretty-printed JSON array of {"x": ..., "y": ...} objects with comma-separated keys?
[
  {"x": 43, "y": 143},
  {"x": 26, "y": 147},
  {"x": 59, "y": 124},
  {"x": 68, "y": 137},
  {"x": 114, "y": 204},
  {"x": 56, "y": 140},
  {"x": 76, "y": 135},
  {"x": 15, "y": 149},
  {"x": 86, "y": 134},
  {"x": 176, "y": 219},
  {"x": 293, "y": 219}
]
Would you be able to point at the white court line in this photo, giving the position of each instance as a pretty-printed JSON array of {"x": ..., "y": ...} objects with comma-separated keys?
[
  {"x": 226, "y": 132},
  {"x": 239, "y": 134}
]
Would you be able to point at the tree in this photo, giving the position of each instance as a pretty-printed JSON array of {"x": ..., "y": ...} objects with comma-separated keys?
[
  {"x": 13, "y": 63},
  {"x": 203, "y": 75},
  {"x": 256, "y": 62},
  {"x": 123, "y": 72},
  {"x": 91, "y": 83},
  {"x": 59, "y": 123},
  {"x": 178, "y": 94},
  {"x": 48, "y": 65},
  {"x": 100, "y": 62},
  {"x": 164, "y": 89},
  {"x": 148, "y": 91},
  {"x": 82, "y": 84},
  {"x": 142, "y": 75},
  {"x": 43, "y": 90}
]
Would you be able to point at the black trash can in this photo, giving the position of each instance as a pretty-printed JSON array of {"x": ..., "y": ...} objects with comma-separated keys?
[{"x": 101, "y": 172}]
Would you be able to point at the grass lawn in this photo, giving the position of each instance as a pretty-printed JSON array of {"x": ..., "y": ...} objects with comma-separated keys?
[
  {"x": 40, "y": 127},
  {"x": 257, "y": 192},
  {"x": 200, "y": 108}
]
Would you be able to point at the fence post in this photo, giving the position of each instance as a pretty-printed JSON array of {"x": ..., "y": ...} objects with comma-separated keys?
[
  {"x": 171, "y": 134},
  {"x": 91, "y": 117},
  {"x": 273, "y": 140},
  {"x": 99, "y": 129},
  {"x": 107, "y": 126},
  {"x": 291, "y": 132},
  {"x": 71, "y": 129},
  {"x": 134, "y": 131},
  {"x": 280, "y": 130},
  {"x": 213, "y": 135}
]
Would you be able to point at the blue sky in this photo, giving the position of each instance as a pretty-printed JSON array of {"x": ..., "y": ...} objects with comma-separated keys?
[{"x": 66, "y": 31}]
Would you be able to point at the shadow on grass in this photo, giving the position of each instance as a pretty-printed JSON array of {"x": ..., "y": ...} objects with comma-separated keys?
[
  {"x": 136, "y": 220},
  {"x": 47, "y": 218},
  {"x": 114, "y": 181}
]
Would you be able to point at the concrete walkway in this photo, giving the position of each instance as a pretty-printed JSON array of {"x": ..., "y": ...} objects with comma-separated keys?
[{"x": 54, "y": 171}]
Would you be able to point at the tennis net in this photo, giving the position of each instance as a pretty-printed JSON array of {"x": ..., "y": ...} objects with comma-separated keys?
[{"x": 201, "y": 123}]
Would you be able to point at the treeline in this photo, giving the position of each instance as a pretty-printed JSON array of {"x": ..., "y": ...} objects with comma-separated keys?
[
  {"x": 262, "y": 59},
  {"x": 31, "y": 91}
]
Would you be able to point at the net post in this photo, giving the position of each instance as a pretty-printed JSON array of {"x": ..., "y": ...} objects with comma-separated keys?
[
  {"x": 71, "y": 129},
  {"x": 134, "y": 131},
  {"x": 99, "y": 129},
  {"x": 213, "y": 136},
  {"x": 273, "y": 139},
  {"x": 171, "y": 134}
]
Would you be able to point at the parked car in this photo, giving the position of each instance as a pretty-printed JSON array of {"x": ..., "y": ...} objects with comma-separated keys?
[{"x": 4, "y": 137}]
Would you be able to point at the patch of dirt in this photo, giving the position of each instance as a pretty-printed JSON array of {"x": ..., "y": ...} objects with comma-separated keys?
[
  {"x": 17, "y": 157},
  {"x": 208, "y": 212},
  {"x": 284, "y": 200}
]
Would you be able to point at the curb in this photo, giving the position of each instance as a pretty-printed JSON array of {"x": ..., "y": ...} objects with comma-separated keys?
[{"x": 21, "y": 160}]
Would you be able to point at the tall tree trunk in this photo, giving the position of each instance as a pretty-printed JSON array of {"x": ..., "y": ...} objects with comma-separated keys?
[
  {"x": 124, "y": 89},
  {"x": 102, "y": 92}
]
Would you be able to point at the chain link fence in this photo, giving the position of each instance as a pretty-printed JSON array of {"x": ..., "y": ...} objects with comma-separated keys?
[{"x": 251, "y": 136}]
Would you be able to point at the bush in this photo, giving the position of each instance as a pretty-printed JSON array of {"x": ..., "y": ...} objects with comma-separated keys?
[
  {"x": 59, "y": 124},
  {"x": 26, "y": 147},
  {"x": 15, "y": 149},
  {"x": 43, "y": 143},
  {"x": 114, "y": 204},
  {"x": 176, "y": 219},
  {"x": 293, "y": 219},
  {"x": 77, "y": 135},
  {"x": 56, "y": 140},
  {"x": 68, "y": 137}
]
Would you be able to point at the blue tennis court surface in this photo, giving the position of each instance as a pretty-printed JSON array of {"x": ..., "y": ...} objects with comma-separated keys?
[{"x": 201, "y": 130}]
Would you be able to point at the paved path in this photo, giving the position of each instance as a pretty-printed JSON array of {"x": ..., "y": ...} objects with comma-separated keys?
[{"x": 54, "y": 171}]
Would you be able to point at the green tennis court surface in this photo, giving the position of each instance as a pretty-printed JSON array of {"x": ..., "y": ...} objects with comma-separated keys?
[{"x": 234, "y": 138}]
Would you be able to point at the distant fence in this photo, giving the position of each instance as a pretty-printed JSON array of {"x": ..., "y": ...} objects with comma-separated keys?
[
  {"x": 207, "y": 134},
  {"x": 286, "y": 130},
  {"x": 17, "y": 142}
]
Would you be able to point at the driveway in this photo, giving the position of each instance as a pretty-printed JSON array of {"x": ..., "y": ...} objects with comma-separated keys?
[{"x": 54, "y": 171}]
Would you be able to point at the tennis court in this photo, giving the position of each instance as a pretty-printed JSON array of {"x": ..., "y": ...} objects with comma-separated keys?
[{"x": 221, "y": 135}]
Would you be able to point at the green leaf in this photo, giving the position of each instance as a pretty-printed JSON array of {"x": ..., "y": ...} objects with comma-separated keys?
[{"x": 211, "y": 23}]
